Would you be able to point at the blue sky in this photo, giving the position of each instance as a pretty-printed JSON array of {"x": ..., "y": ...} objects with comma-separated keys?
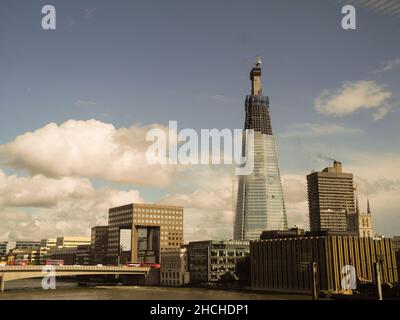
[{"x": 148, "y": 62}]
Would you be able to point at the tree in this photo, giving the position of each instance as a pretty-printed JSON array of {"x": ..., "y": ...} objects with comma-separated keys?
[
  {"x": 243, "y": 271},
  {"x": 227, "y": 279}
]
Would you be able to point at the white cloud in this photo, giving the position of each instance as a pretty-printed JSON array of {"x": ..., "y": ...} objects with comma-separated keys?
[
  {"x": 90, "y": 149},
  {"x": 317, "y": 130},
  {"x": 203, "y": 224},
  {"x": 38, "y": 207},
  {"x": 202, "y": 199},
  {"x": 353, "y": 96},
  {"x": 39, "y": 191}
]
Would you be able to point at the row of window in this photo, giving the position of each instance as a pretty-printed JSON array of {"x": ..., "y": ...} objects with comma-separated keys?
[
  {"x": 170, "y": 238},
  {"x": 155, "y": 216},
  {"x": 164, "y": 243},
  {"x": 156, "y": 221},
  {"x": 170, "y": 274},
  {"x": 170, "y": 282},
  {"x": 158, "y": 211}
]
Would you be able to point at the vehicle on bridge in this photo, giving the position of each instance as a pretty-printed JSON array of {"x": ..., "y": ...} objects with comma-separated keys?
[
  {"x": 19, "y": 262},
  {"x": 142, "y": 265},
  {"x": 132, "y": 264},
  {"x": 54, "y": 262}
]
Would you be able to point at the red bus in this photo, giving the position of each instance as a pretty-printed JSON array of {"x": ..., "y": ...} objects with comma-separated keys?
[
  {"x": 132, "y": 264},
  {"x": 54, "y": 262},
  {"x": 150, "y": 265},
  {"x": 19, "y": 262},
  {"x": 142, "y": 265}
]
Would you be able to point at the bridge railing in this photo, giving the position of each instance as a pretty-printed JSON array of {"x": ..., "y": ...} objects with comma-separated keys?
[{"x": 73, "y": 268}]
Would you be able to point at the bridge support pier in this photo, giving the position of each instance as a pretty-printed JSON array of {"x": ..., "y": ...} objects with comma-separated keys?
[{"x": 2, "y": 282}]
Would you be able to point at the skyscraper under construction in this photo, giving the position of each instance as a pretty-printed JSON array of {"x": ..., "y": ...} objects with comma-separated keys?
[{"x": 260, "y": 204}]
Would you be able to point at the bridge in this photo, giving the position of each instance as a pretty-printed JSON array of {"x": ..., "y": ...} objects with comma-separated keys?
[{"x": 12, "y": 273}]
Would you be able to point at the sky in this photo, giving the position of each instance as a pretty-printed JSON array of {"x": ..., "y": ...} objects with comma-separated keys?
[{"x": 76, "y": 104}]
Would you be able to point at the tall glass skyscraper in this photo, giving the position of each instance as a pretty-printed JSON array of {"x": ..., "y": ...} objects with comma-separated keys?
[{"x": 260, "y": 204}]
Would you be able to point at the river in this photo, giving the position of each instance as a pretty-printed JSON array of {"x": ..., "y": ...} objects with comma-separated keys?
[{"x": 32, "y": 290}]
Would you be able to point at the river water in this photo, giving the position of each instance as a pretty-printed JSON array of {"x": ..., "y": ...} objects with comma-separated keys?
[{"x": 32, "y": 290}]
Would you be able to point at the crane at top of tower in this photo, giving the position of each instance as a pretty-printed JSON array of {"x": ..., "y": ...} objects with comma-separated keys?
[{"x": 258, "y": 61}]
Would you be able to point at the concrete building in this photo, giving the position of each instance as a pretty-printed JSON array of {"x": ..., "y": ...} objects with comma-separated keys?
[
  {"x": 290, "y": 233},
  {"x": 174, "y": 267},
  {"x": 153, "y": 228},
  {"x": 30, "y": 255},
  {"x": 83, "y": 255},
  {"x": 21, "y": 244},
  {"x": 67, "y": 254},
  {"x": 48, "y": 243},
  {"x": 259, "y": 204},
  {"x": 45, "y": 249},
  {"x": 3, "y": 248},
  {"x": 331, "y": 199},
  {"x": 284, "y": 264},
  {"x": 209, "y": 260},
  {"x": 396, "y": 243},
  {"x": 99, "y": 240},
  {"x": 71, "y": 242}
]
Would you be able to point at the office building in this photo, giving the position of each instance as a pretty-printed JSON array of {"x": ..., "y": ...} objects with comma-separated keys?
[
  {"x": 72, "y": 242},
  {"x": 284, "y": 264},
  {"x": 99, "y": 239},
  {"x": 45, "y": 247},
  {"x": 331, "y": 199},
  {"x": 260, "y": 204},
  {"x": 3, "y": 248},
  {"x": 209, "y": 260},
  {"x": 396, "y": 243},
  {"x": 274, "y": 234},
  {"x": 22, "y": 244},
  {"x": 83, "y": 255},
  {"x": 27, "y": 255},
  {"x": 48, "y": 243},
  {"x": 67, "y": 254},
  {"x": 138, "y": 232},
  {"x": 175, "y": 267}
]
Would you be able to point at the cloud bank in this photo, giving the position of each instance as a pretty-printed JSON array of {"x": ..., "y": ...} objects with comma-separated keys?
[{"x": 91, "y": 149}]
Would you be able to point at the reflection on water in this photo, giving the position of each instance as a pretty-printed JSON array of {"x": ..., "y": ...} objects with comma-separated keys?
[{"x": 31, "y": 289}]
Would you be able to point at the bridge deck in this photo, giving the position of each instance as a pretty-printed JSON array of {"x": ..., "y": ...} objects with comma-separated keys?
[{"x": 111, "y": 269}]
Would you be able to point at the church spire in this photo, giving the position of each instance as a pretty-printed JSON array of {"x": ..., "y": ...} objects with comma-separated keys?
[{"x": 368, "y": 207}]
